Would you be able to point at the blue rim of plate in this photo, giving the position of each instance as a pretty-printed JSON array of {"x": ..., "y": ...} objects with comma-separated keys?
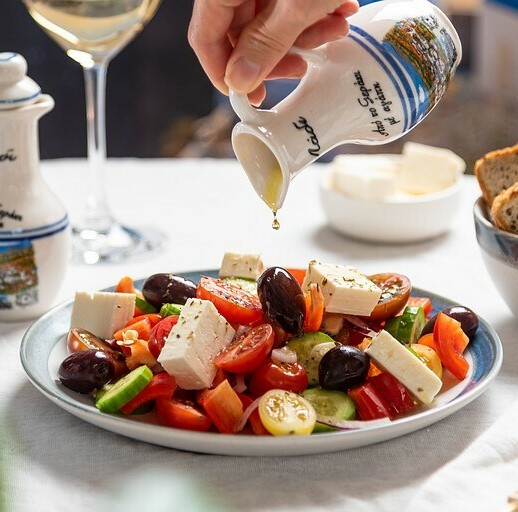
[{"x": 485, "y": 350}]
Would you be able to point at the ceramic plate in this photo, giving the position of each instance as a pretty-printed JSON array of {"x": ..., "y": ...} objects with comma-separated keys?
[{"x": 43, "y": 348}]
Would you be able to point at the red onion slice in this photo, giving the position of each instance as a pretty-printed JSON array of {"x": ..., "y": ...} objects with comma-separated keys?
[
  {"x": 284, "y": 355},
  {"x": 360, "y": 325},
  {"x": 240, "y": 386},
  {"x": 246, "y": 414}
]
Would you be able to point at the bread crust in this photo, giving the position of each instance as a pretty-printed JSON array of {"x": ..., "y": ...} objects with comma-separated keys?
[
  {"x": 505, "y": 209},
  {"x": 485, "y": 176}
]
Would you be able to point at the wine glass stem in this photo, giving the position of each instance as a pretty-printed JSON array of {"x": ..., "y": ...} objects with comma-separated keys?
[{"x": 98, "y": 216}]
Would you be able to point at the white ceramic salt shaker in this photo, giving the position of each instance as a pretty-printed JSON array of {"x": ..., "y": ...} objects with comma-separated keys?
[{"x": 34, "y": 233}]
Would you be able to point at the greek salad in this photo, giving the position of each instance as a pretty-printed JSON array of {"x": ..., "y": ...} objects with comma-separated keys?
[{"x": 265, "y": 351}]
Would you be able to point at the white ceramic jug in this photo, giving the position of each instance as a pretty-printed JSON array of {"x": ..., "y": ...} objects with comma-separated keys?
[
  {"x": 34, "y": 234},
  {"x": 370, "y": 87}
]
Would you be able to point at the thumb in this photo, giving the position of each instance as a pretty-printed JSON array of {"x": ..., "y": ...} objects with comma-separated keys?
[{"x": 267, "y": 38}]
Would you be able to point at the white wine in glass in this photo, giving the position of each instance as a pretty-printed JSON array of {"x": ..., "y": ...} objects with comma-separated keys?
[{"x": 92, "y": 32}]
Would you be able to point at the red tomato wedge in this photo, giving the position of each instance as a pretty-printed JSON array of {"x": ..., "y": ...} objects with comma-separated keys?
[
  {"x": 182, "y": 414},
  {"x": 162, "y": 385},
  {"x": 275, "y": 375},
  {"x": 369, "y": 404},
  {"x": 298, "y": 273},
  {"x": 246, "y": 353},
  {"x": 314, "y": 299},
  {"x": 395, "y": 290},
  {"x": 224, "y": 408},
  {"x": 159, "y": 334},
  {"x": 423, "y": 302},
  {"x": 451, "y": 342},
  {"x": 236, "y": 305}
]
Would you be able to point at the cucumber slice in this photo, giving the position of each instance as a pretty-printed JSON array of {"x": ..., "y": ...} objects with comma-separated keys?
[
  {"x": 122, "y": 391},
  {"x": 407, "y": 327},
  {"x": 170, "y": 309},
  {"x": 303, "y": 347},
  {"x": 392, "y": 326},
  {"x": 144, "y": 306},
  {"x": 412, "y": 323},
  {"x": 330, "y": 403},
  {"x": 248, "y": 285}
]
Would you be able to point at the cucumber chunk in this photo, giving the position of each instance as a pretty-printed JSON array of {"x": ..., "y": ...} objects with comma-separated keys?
[
  {"x": 122, "y": 391},
  {"x": 307, "y": 355},
  {"x": 144, "y": 306},
  {"x": 407, "y": 327},
  {"x": 330, "y": 403}
]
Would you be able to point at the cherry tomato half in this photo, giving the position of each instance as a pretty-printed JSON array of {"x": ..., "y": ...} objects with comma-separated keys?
[
  {"x": 235, "y": 304},
  {"x": 275, "y": 375},
  {"x": 159, "y": 334},
  {"x": 395, "y": 290},
  {"x": 182, "y": 414},
  {"x": 247, "y": 352}
]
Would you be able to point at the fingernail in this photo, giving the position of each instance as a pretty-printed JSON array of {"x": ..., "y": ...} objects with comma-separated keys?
[{"x": 243, "y": 75}]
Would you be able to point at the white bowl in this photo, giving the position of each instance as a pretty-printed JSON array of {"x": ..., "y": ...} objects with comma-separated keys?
[{"x": 398, "y": 219}]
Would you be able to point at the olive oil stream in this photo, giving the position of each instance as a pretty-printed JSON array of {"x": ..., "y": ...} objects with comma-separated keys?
[{"x": 271, "y": 190}]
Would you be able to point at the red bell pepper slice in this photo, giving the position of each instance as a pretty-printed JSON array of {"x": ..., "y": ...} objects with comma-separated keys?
[
  {"x": 397, "y": 398},
  {"x": 314, "y": 300},
  {"x": 451, "y": 342},
  {"x": 369, "y": 404}
]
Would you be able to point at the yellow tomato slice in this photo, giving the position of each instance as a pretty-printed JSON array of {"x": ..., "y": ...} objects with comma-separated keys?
[
  {"x": 429, "y": 357},
  {"x": 284, "y": 413}
]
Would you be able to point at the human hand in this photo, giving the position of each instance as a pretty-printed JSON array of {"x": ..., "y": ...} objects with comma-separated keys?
[{"x": 240, "y": 43}]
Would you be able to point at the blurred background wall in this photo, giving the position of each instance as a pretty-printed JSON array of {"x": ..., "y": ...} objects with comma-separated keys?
[{"x": 159, "y": 102}]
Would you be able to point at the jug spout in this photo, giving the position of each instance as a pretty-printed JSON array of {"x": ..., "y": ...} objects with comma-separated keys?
[{"x": 267, "y": 161}]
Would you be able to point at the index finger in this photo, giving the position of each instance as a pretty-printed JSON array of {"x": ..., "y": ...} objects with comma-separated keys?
[{"x": 208, "y": 36}]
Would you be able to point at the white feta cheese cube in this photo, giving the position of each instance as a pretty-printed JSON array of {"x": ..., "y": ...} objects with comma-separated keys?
[
  {"x": 366, "y": 176},
  {"x": 102, "y": 313},
  {"x": 346, "y": 290},
  {"x": 247, "y": 266},
  {"x": 396, "y": 359},
  {"x": 427, "y": 169},
  {"x": 193, "y": 344}
]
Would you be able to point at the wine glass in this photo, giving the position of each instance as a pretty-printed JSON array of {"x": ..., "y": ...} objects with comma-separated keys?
[{"x": 92, "y": 32}]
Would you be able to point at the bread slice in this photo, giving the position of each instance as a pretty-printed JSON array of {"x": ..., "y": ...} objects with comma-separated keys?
[
  {"x": 497, "y": 171},
  {"x": 505, "y": 209}
]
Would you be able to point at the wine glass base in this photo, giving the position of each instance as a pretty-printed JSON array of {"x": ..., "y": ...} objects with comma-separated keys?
[{"x": 117, "y": 244}]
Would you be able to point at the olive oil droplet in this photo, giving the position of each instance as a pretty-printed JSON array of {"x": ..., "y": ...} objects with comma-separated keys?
[{"x": 275, "y": 224}]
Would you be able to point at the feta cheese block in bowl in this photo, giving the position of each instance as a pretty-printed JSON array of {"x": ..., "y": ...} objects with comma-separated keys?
[
  {"x": 397, "y": 219},
  {"x": 393, "y": 198}
]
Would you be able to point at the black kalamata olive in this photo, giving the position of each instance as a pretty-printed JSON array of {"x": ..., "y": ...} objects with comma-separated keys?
[
  {"x": 86, "y": 370},
  {"x": 467, "y": 318},
  {"x": 343, "y": 368},
  {"x": 282, "y": 299},
  {"x": 161, "y": 289}
]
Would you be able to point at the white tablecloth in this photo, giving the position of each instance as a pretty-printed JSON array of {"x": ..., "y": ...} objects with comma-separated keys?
[{"x": 53, "y": 461}]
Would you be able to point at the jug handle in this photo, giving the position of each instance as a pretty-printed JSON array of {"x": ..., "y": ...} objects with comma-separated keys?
[{"x": 240, "y": 103}]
